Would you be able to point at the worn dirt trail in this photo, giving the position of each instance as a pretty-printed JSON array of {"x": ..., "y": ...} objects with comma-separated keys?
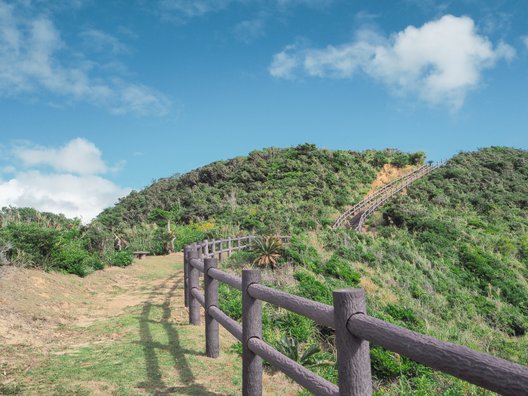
[
  {"x": 56, "y": 328},
  {"x": 35, "y": 306}
]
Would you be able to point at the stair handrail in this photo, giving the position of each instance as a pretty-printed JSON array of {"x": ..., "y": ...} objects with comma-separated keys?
[
  {"x": 356, "y": 209},
  {"x": 396, "y": 190}
]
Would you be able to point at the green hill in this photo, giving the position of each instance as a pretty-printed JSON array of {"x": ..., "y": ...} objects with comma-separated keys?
[
  {"x": 452, "y": 255},
  {"x": 269, "y": 190},
  {"x": 447, "y": 258}
]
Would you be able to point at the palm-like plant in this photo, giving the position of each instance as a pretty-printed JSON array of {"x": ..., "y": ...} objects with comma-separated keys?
[
  {"x": 268, "y": 250},
  {"x": 310, "y": 357}
]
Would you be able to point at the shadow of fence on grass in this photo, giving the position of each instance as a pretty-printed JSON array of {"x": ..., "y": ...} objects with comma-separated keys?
[{"x": 155, "y": 383}]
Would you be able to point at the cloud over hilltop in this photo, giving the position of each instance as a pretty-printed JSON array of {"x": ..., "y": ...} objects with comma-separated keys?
[{"x": 65, "y": 179}]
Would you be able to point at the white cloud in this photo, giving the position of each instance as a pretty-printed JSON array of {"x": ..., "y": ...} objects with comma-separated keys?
[
  {"x": 73, "y": 187},
  {"x": 100, "y": 41},
  {"x": 306, "y": 3},
  {"x": 35, "y": 61},
  {"x": 439, "y": 61},
  {"x": 284, "y": 63},
  {"x": 8, "y": 169},
  {"x": 83, "y": 196},
  {"x": 250, "y": 30},
  {"x": 182, "y": 10},
  {"x": 77, "y": 156}
]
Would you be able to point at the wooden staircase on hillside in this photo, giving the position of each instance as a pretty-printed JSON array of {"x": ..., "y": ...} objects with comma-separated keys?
[{"x": 356, "y": 216}]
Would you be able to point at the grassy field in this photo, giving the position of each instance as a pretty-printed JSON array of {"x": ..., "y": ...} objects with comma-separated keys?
[{"x": 129, "y": 338}]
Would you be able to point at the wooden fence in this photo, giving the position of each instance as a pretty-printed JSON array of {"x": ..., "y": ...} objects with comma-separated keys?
[{"x": 354, "y": 331}]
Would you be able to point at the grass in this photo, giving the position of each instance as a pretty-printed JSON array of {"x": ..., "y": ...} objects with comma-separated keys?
[
  {"x": 154, "y": 358},
  {"x": 148, "y": 349}
]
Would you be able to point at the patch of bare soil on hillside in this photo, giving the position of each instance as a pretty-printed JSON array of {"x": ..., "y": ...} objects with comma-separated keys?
[{"x": 387, "y": 174}]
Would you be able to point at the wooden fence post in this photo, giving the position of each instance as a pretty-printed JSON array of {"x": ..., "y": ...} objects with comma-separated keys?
[
  {"x": 194, "y": 280},
  {"x": 353, "y": 356},
  {"x": 212, "y": 340},
  {"x": 206, "y": 248},
  {"x": 186, "y": 251},
  {"x": 229, "y": 247},
  {"x": 200, "y": 254},
  {"x": 238, "y": 243},
  {"x": 251, "y": 328},
  {"x": 220, "y": 246},
  {"x": 214, "y": 248}
]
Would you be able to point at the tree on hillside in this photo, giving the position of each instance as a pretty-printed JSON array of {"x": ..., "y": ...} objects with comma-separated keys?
[{"x": 166, "y": 220}]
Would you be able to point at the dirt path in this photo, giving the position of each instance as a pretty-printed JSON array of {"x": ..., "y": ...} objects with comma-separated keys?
[{"x": 121, "y": 331}]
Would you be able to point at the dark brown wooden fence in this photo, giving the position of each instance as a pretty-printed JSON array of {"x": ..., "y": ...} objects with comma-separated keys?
[{"x": 348, "y": 316}]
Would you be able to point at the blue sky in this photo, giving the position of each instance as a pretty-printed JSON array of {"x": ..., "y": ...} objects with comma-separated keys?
[{"x": 97, "y": 98}]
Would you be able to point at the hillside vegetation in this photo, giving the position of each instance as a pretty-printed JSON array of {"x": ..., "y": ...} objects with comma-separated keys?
[
  {"x": 447, "y": 258},
  {"x": 451, "y": 254},
  {"x": 270, "y": 190},
  {"x": 29, "y": 238}
]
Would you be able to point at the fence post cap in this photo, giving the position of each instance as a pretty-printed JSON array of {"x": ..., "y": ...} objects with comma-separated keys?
[{"x": 356, "y": 292}]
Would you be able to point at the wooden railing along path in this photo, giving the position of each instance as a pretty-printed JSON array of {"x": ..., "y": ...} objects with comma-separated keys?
[
  {"x": 356, "y": 216},
  {"x": 354, "y": 330}
]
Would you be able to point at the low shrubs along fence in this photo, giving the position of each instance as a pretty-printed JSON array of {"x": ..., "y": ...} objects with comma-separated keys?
[{"x": 353, "y": 327}]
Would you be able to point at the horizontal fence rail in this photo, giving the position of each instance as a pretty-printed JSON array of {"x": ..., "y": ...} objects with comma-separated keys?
[
  {"x": 354, "y": 328},
  {"x": 320, "y": 313},
  {"x": 487, "y": 371},
  {"x": 298, "y": 373}
]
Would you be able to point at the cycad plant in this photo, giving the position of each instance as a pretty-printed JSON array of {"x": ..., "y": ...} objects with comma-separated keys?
[
  {"x": 268, "y": 250},
  {"x": 310, "y": 357}
]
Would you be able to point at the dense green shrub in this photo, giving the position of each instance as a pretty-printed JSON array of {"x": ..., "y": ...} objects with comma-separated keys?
[
  {"x": 402, "y": 316},
  {"x": 120, "y": 259},
  {"x": 488, "y": 270},
  {"x": 71, "y": 257},
  {"x": 49, "y": 241},
  {"x": 296, "y": 326},
  {"x": 388, "y": 366},
  {"x": 36, "y": 242},
  {"x": 300, "y": 252},
  {"x": 94, "y": 262},
  {"x": 186, "y": 235},
  {"x": 312, "y": 288},
  {"x": 98, "y": 239},
  {"x": 341, "y": 269},
  {"x": 230, "y": 301},
  {"x": 239, "y": 259}
]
